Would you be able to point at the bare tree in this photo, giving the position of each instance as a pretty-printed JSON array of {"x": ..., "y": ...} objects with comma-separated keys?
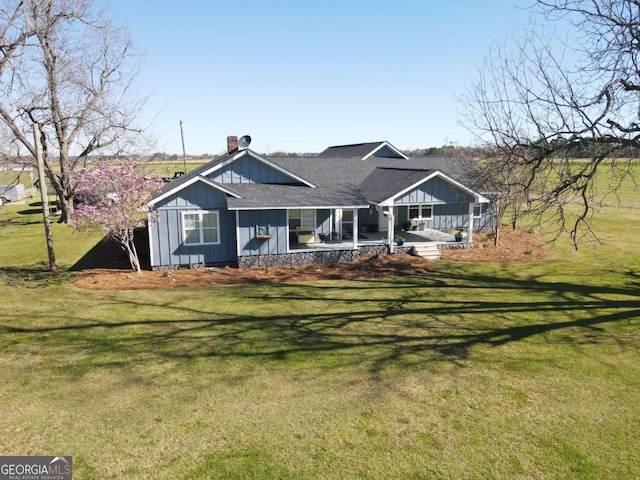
[
  {"x": 501, "y": 180},
  {"x": 64, "y": 66},
  {"x": 544, "y": 101}
]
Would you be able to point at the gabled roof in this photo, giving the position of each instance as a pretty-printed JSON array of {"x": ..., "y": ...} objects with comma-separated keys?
[
  {"x": 332, "y": 180},
  {"x": 200, "y": 174},
  {"x": 362, "y": 150},
  {"x": 167, "y": 192},
  {"x": 385, "y": 182},
  {"x": 277, "y": 167}
]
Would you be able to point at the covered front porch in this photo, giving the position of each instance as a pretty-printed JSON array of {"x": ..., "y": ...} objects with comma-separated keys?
[{"x": 411, "y": 238}]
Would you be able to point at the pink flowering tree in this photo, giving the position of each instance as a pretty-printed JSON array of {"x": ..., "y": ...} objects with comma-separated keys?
[{"x": 113, "y": 198}]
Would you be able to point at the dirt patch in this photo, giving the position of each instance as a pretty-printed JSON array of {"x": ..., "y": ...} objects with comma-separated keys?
[{"x": 518, "y": 246}]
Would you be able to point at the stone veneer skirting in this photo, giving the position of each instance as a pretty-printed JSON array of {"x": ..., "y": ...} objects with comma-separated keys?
[
  {"x": 313, "y": 257},
  {"x": 455, "y": 245},
  {"x": 298, "y": 258}
]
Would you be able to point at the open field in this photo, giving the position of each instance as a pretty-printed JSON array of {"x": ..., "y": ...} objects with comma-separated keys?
[{"x": 473, "y": 370}]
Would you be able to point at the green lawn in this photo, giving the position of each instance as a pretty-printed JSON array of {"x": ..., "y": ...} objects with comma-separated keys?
[{"x": 509, "y": 371}]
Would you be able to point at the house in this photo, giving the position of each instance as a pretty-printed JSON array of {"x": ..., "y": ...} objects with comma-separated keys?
[{"x": 247, "y": 209}]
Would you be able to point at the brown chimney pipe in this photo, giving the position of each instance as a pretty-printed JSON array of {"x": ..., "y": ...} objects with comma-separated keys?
[{"x": 232, "y": 143}]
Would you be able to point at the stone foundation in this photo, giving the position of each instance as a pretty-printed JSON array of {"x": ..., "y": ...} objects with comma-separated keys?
[
  {"x": 309, "y": 258},
  {"x": 312, "y": 257},
  {"x": 298, "y": 258},
  {"x": 371, "y": 250},
  {"x": 455, "y": 245},
  {"x": 193, "y": 266}
]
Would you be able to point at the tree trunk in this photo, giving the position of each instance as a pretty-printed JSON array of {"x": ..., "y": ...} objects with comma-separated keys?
[
  {"x": 130, "y": 248},
  {"x": 66, "y": 208}
]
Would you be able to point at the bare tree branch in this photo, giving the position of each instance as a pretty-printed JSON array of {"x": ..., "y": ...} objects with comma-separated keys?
[
  {"x": 64, "y": 66},
  {"x": 545, "y": 102}
]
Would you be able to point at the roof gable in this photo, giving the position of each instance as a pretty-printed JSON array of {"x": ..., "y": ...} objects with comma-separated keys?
[
  {"x": 166, "y": 193},
  {"x": 454, "y": 183},
  {"x": 221, "y": 165},
  {"x": 388, "y": 183},
  {"x": 384, "y": 183},
  {"x": 203, "y": 174},
  {"x": 364, "y": 151},
  {"x": 248, "y": 169}
]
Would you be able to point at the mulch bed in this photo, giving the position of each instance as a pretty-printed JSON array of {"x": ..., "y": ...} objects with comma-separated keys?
[{"x": 515, "y": 247}]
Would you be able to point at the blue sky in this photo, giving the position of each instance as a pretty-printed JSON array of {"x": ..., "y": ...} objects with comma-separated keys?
[{"x": 299, "y": 76}]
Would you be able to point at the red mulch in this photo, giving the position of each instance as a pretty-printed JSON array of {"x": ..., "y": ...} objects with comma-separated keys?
[{"x": 515, "y": 246}]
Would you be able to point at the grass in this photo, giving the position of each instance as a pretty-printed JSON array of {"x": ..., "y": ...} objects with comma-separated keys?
[{"x": 474, "y": 371}]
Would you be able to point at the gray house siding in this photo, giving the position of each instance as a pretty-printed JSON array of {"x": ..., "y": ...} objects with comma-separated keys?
[
  {"x": 385, "y": 152},
  {"x": 167, "y": 247},
  {"x": 241, "y": 236},
  {"x": 278, "y": 230},
  {"x": 435, "y": 190},
  {"x": 249, "y": 170},
  {"x": 486, "y": 220},
  {"x": 451, "y": 216},
  {"x": 450, "y": 206}
]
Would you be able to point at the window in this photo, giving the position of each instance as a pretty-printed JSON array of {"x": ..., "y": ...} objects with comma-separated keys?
[
  {"x": 200, "y": 227},
  {"x": 304, "y": 219},
  {"x": 423, "y": 212},
  {"x": 477, "y": 210},
  {"x": 302, "y": 224}
]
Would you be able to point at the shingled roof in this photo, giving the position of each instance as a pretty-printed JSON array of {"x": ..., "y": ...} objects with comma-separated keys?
[
  {"x": 385, "y": 182},
  {"x": 340, "y": 176},
  {"x": 360, "y": 150},
  {"x": 257, "y": 196}
]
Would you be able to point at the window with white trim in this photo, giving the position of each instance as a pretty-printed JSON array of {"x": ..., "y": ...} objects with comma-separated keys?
[
  {"x": 302, "y": 219},
  {"x": 422, "y": 211},
  {"x": 200, "y": 227},
  {"x": 477, "y": 210}
]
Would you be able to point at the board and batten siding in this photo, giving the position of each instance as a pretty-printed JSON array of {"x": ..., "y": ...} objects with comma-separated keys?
[
  {"x": 385, "y": 152},
  {"x": 165, "y": 234},
  {"x": 450, "y": 206},
  {"x": 435, "y": 191},
  {"x": 249, "y": 170},
  {"x": 248, "y": 222}
]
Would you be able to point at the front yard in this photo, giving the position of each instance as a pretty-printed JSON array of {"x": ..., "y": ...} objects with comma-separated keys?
[{"x": 463, "y": 370}]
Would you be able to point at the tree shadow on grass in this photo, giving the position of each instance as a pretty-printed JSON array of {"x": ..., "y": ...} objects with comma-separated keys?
[
  {"x": 34, "y": 276},
  {"x": 108, "y": 254},
  {"x": 408, "y": 329}
]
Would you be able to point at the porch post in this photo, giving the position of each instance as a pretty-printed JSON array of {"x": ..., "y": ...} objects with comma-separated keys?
[
  {"x": 238, "y": 233},
  {"x": 470, "y": 230},
  {"x": 355, "y": 229},
  {"x": 391, "y": 228}
]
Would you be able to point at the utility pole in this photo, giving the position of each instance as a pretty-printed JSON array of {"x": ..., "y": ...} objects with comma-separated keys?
[
  {"x": 44, "y": 197},
  {"x": 184, "y": 154}
]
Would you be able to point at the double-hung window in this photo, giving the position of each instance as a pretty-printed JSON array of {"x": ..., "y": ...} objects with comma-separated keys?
[
  {"x": 477, "y": 210},
  {"x": 200, "y": 227},
  {"x": 421, "y": 212}
]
